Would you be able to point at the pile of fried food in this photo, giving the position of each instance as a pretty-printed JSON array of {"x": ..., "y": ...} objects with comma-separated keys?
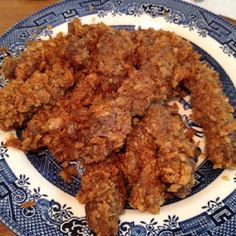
[{"x": 100, "y": 96}]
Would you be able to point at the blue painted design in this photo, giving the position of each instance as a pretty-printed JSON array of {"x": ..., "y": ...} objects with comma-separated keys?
[
  {"x": 150, "y": 227},
  {"x": 44, "y": 162},
  {"x": 197, "y": 226},
  {"x": 193, "y": 125},
  {"x": 3, "y": 81},
  {"x": 53, "y": 212},
  {"x": 124, "y": 27},
  {"x": 212, "y": 206},
  {"x": 227, "y": 50},
  {"x": 3, "y": 150},
  {"x": 219, "y": 216},
  {"x": 55, "y": 219},
  {"x": 60, "y": 217},
  {"x": 23, "y": 180},
  {"x": 172, "y": 221},
  {"x": 155, "y": 10},
  {"x": 14, "y": 192},
  {"x": 76, "y": 226},
  {"x": 186, "y": 104},
  {"x": 138, "y": 230},
  {"x": 230, "y": 202}
]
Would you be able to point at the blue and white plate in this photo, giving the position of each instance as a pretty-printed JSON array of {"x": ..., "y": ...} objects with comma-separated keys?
[{"x": 210, "y": 210}]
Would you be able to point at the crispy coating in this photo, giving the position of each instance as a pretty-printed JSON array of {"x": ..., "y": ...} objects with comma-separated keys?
[
  {"x": 78, "y": 126},
  {"x": 19, "y": 100},
  {"x": 158, "y": 160},
  {"x": 165, "y": 58},
  {"x": 104, "y": 193},
  {"x": 55, "y": 119},
  {"x": 211, "y": 109},
  {"x": 103, "y": 127},
  {"x": 39, "y": 56}
]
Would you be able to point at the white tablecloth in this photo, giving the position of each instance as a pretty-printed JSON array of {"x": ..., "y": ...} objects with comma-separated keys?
[{"x": 220, "y": 7}]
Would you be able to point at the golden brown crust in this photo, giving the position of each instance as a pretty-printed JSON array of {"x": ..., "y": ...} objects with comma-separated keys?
[
  {"x": 211, "y": 109},
  {"x": 158, "y": 160},
  {"x": 104, "y": 193},
  {"x": 19, "y": 100}
]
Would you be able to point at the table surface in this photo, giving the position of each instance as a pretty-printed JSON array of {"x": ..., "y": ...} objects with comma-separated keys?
[{"x": 12, "y": 11}]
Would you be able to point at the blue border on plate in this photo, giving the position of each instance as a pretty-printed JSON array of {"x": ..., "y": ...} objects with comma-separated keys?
[
  {"x": 192, "y": 17},
  {"x": 54, "y": 219},
  {"x": 217, "y": 27}
]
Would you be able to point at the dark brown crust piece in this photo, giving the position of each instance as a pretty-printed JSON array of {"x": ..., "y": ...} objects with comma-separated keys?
[
  {"x": 19, "y": 99},
  {"x": 211, "y": 109},
  {"x": 104, "y": 193},
  {"x": 158, "y": 160}
]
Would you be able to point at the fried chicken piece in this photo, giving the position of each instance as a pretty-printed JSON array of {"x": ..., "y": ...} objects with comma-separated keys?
[
  {"x": 39, "y": 56},
  {"x": 165, "y": 58},
  {"x": 93, "y": 133},
  {"x": 109, "y": 121},
  {"x": 42, "y": 54},
  {"x": 146, "y": 168},
  {"x": 81, "y": 45},
  {"x": 120, "y": 47},
  {"x": 75, "y": 48},
  {"x": 158, "y": 160},
  {"x": 104, "y": 193},
  {"x": 58, "y": 118},
  {"x": 211, "y": 109},
  {"x": 51, "y": 118},
  {"x": 97, "y": 41},
  {"x": 19, "y": 99}
]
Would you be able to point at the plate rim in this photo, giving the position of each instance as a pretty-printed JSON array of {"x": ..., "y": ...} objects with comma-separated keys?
[{"x": 55, "y": 5}]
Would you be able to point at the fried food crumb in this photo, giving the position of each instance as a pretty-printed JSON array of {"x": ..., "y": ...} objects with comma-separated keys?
[
  {"x": 225, "y": 177},
  {"x": 27, "y": 204}
]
